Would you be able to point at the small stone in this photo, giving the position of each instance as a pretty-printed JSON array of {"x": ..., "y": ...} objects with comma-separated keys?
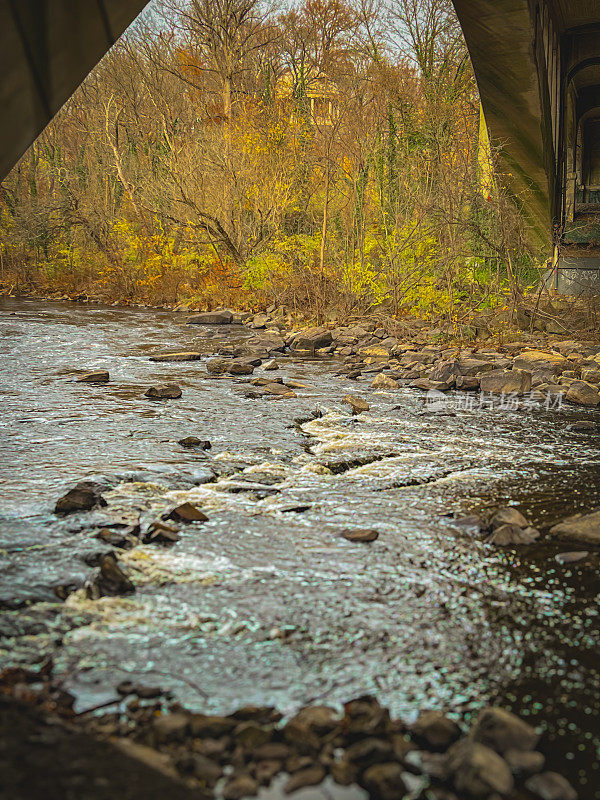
[
  {"x": 187, "y": 512},
  {"x": 176, "y": 357},
  {"x": 251, "y": 735},
  {"x": 278, "y": 389},
  {"x": 223, "y": 317},
  {"x": 513, "y": 534},
  {"x": 551, "y": 786},
  {"x": 571, "y": 558},
  {"x": 166, "y": 391},
  {"x": 171, "y": 727},
  {"x": 311, "y": 776},
  {"x": 436, "y": 729},
  {"x": 110, "y": 580},
  {"x": 265, "y": 771},
  {"x": 369, "y": 751},
  {"x": 218, "y": 366},
  {"x": 384, "y": 781},
  {"x": 159, "y": 532},
  {"x": 582, "y": 529},
  {"x": 383, "y": 381},
  {"x": 119, "y": 539},
  {"x": 360, "y": 534},
  {"x": 294, "y": 384},
  {"x": 98, "y": 376},
  {"x": 205, "y": 770},
  {"x": 82, "y": 497},
  {"x": 343, "y": 772},
  {"x": 194, "y": 442},
  {"x": 240, "y": 368},
  {"x": 583, "y": 426},
  {"x": 301, "y": 737},
  {"x": 509, "y": 516},
  {"x": 211, "y": 726},
  {"x": 477, "y": 770},
  {"x": 240, "y": 786},
  {"x": 524, "y": 762},
  {"x": 271, "y": 365},
  {"x": 501, "y": 730},
  {"x": 320, "y": 719},
  {"x": 357, "y": 404}
]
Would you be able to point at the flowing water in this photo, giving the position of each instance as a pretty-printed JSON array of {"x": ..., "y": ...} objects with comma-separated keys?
[{"x": 266, "y": 603}]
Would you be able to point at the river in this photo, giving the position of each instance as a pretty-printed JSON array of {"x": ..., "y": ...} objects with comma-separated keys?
[{"x": 266, "y": 603}]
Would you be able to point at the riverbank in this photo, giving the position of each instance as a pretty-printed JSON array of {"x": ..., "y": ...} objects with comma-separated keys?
[{"x": 145, "y": 745}]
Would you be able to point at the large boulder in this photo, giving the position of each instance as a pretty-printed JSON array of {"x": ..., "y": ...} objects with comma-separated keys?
[
  {"x": 383, "y": 381},
  {"x": 82, "y": 497},
  {"x": 166, "y": 391},
  {"x": 583, "y": 394},
  {"x": 436, "y": 729},
  {"x": 477, "y": 771},
  {"x": 500, "y": 381},
  {"x": 223, "y": 317},
  {"x": 583, "y": 529},
  {"x": 98, "y": 376},
  {"x": 446, "y": 372},
  {"x": 501, "y": 730},
  {"x": 312, "y": 339},
  {"x": 534, "y": 360}
]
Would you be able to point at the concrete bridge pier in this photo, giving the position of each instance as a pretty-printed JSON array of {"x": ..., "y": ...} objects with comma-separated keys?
[{"x": 537, "y": 64}]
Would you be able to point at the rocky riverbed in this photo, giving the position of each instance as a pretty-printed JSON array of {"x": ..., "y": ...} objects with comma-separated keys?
[{"x": 281, "y": 518}]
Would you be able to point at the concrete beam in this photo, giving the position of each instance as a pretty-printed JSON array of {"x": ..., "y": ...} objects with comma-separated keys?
[{"x": 47, "y": 47}]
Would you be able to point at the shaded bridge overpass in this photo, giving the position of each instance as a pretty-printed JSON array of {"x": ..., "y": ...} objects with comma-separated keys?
[{"x": 537, "y": 64}]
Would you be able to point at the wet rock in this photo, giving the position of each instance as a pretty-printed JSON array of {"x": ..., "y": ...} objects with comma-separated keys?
[
  {"x": 159, "y": 533},
  {"x": 250, "y": 735},
  {"x": 187, "y": 512},
  {"x": 499, "y": 381},
  {"x": 477, "y": 770},
  {"x": 240, "y": 368},
  {"x": 176, "y": 357},
  {"x": 64, "y": 590},
  {"x": 82, "y": 497},
  {"x": 583, "y": 426},
  {"x": 278, "y": 390},
  {"x": 524, "y": 762},
  {"x": 110, "y": 580},
  {"x": 270, "y": 365},
  {"x": 509, "y": 516},
  {"x": 240, "y": 786},
  {"x": 436, "y": 729},
  {"x": 294, "y": 384},
  {"x": 360, "y": 534},
  {"x": 218, "y": 366},
  {"x": 97, "y": 376},
  {"x": 384, "y": 781},
  {"x": 312, "y": 339},
  {"x": 551, "y": 786},
  {"x": 426, "y": 385},
  {"x": 266, "y": 381},
  {"x": 272, "y": 751},
  {"x": 572, "y": 557},
  {"x": 591, "y": 375},
  {"x": 357, "y": 404},
  {"x": 583, "y": 394},
  {"x": 166, "y": 391},
  {"x": 513, "y": 534},
  {"x": 223, "y": 317},
  {"x": 383, "y": 381},
  {"x": 194, "y": 442},
  {"x": 311, "y": 776},
  {"x": 584, "y": 529},
  {"x": 123, "y": 540},
  {"x": 501, "y": 730}
]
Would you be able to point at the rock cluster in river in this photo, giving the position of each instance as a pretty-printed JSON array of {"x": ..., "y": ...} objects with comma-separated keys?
[{"x": 436, "y": 757}]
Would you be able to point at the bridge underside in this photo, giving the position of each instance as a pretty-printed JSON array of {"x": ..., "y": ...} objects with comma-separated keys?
[
  {"x": 538, "y": 68},
  {"x": 47, "y": 47}
]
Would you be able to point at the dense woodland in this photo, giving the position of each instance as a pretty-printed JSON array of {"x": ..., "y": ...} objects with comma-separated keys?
[{"x": 325, "y": 157}]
